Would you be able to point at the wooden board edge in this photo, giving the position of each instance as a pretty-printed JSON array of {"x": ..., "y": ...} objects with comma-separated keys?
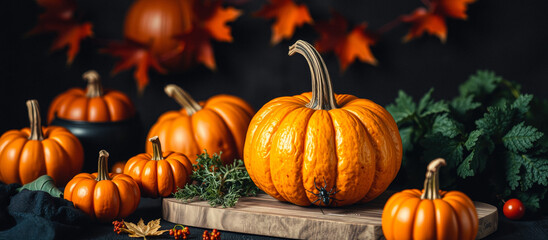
[{"x": 260, "y": 224}]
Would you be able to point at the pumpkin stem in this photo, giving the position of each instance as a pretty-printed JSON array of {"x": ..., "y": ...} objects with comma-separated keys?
[
  {"x": 183, "y": 98},
  {"x": 432, "y": 182},
  {"x": 322, "y": 90},
  {"x": 35, "y": 120},
  {"x": 102, "y": 166},
  {"x": 94, "y": 88},
  {"x": 156, "y": 148}
]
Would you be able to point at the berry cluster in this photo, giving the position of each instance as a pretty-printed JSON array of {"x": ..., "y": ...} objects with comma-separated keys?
[
  {"x": 179, "y": 233},
  {"x": 118, "y": 225},
  {"x": 215, "y": 235}
]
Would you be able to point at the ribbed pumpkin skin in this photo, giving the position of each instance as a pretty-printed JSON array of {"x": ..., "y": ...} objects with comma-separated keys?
[
  {"x": 159, "y": 178},
  {"x": 60, "y": 155},
  {"x": 104, "y": 200},
  {"x": 355, "y": 148},
  {"x": 74, "y": 105},
  {"x": 406, "y": 216},
  {"x": 220, "y": 126}
]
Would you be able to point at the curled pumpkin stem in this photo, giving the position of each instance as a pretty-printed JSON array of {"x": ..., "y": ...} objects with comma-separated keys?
[
  {"x": 432, "y": 182},
  {"x": 94, "y": 88},
  {"x": 323, "y": 97},
  {"x": 183, "y": 98},
  {"x": 35, "y": 120},
  {"x": 102, "y": 166},
  {"x": 156, "y": 148}
]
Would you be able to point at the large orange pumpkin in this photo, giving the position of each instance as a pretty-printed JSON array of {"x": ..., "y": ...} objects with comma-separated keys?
[
  {"x": 101, "y": 195},
  {"x": 29, "y": 153},
  {"x": 159, "y": 174},
  {"x": 92, "y": 105},
  {"x": 322, "y": 148},
  {"x": 218, "y": 125},
  {"x": 156, "y": 23},
  {"x": 430, "y": 214}
]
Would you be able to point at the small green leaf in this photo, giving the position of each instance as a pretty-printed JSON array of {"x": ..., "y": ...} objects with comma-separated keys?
[
  {"x": 439, "y": 146},
  {"x": 446, "y": 126},
  {"x": 464, "y": 169},
  {"x": 403, "y": 109},
  {"x": 425, "y": 101},
  {"x": 513, "y": 167},
  {"x": 496, "y": 121},
  {"x": 522, "y": 103},
  {"x": 43, "y": 183},
  {"x": 482, "y": 83},
  {"x": 473, "y": 139},
  {"x": 521, "y": 138},
  {"x": 462, "y": 104}
]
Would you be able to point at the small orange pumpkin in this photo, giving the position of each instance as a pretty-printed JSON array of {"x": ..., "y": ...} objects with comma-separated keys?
[
  {"x": 92, "y": 105},
  {"x": 218, "y": 125},
  {"x": 430, "y": 214},
  {"x": 299, "y": 146},
  {"x": 29, "y": 153},
  {"x": 104, "y": 196},
  {"x": 159, "y": 174}
]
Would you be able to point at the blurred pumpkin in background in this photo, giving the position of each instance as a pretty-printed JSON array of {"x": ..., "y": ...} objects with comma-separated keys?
[
  {"x": 216, "y": 125},
  {"x": 156, "y": 23},
  {"x": 94, "y": 104},
  {"x": 100, "y": 118}
]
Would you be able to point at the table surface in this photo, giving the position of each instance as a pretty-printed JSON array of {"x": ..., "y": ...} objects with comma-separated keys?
[{"x": 150, "y": 209}]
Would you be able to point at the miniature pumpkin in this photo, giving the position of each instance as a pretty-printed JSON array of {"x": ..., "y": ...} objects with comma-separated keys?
[
  {"x": 218, "y": 125},
  {"x": 29, "y": 153},
  {"x": 92, "y": 105},
  {"x": 432, "y": 214},
  {"x": 159, "y": 174},
  {"x": 118, "y": 167},
  {"x": 101, "y": 195},
  {"x": 322, "y": 145},
  {"x": 157, "y": 23}
]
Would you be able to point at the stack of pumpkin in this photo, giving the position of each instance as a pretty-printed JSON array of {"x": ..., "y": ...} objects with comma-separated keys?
[{"x": 349, "y": 147}]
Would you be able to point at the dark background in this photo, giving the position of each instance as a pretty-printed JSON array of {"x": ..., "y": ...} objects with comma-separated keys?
[{"x": 509, "y": 37}]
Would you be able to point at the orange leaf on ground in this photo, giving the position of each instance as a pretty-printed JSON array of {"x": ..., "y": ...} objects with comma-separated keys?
[
  {"x": 136, "y": 55},
  {"x": 59, "y": 18},
  {"x": 210, "y": 22},
  {"x": 288, "y": 16},
  {"x": 347, "y": 45},
  {"x": 432, "y": 20}
]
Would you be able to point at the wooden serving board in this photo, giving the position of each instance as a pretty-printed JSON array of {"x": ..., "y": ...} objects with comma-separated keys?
[{"x": 264, "y": 215}]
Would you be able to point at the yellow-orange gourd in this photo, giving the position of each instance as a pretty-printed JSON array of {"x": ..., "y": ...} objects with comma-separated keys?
[
  {"x": 430, "y": 214},
  {"x": 102, "y": 195},
  {"x": 216, "y": 125},
  {"x": 29, "y": 153},
  {"x": 295, "y": 144}
]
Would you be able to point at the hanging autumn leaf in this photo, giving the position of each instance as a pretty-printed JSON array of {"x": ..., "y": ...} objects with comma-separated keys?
[
  {"x": 209, "y": 22},
  {"x": 59, "y": 18},
  {"x": 347, "y": 45},
  {"x": 432, "y": 20},
  {"x": 288, "y": 16},
  {"x": 134, "y": 54},
  {"x": 141, "y": 230}
]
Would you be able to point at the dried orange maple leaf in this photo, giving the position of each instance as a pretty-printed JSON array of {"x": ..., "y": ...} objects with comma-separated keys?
[
  {"x": 432, "y": 20},
  {"x": 134, "y": 54},
  {"x": 288, "y": 16},
  {"x": 210, "y": 22},
  {"x": 347, "y": 45},
  {"x": 59, "y": 18}
]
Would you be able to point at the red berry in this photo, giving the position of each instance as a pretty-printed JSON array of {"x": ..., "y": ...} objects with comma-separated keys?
[{"x": 513, "y": 209}]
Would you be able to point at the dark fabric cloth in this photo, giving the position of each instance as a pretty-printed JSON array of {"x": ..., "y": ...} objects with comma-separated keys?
[{"x": 38, "y": 215}]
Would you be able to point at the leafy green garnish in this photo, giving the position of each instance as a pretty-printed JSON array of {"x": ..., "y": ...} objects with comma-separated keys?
[
  {"x": 489, "y": 136},
  {"x": 217, "y": 183}
]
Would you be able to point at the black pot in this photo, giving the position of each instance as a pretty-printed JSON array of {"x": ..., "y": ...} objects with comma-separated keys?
[{"x": 122, "y": 139}]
